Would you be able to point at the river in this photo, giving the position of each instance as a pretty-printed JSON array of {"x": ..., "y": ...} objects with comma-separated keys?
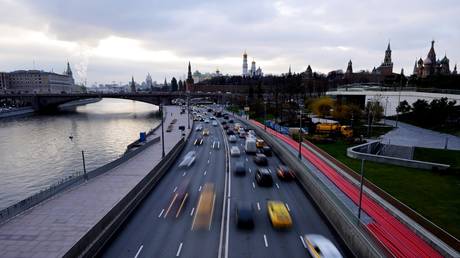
[{"x": 36, "y": 151}]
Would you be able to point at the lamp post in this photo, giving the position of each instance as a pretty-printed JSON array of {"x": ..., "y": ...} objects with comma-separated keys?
[
  {"x": 162, "y": 133},
  {"x": 188, "y": 110},
  {"x": 361, "y": 190},
  {"x": 85, "y": 176},
  {"x": 265, "y": 114},
  {"x": 300, "y": 132}
]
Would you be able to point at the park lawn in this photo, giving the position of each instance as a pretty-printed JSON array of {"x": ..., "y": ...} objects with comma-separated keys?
[{"x": 435, "y": 195}]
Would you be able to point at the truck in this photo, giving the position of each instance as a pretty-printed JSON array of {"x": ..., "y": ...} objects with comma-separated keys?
[
  {"x": 344, "y": 130},
  {"x": 250, "y": 145}
]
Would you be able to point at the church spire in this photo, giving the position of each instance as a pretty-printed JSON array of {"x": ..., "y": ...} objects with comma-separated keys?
[
  {"x": 68, "y": 71},
  {"x": 133, "y": 85},
  {"x": 189, "y": 74},
  {"x": 289, "y": 73}
]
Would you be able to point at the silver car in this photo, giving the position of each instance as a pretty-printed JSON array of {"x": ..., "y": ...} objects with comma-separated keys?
[
  {"x": 188, "y": 160},
  {"x": 319, "y": 246},
  {"x": 235, "y": 151},
  {"x": 232, "y": 138}
]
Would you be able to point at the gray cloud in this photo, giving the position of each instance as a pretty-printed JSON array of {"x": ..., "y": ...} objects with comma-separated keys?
[{"x": 276, "y": 33}]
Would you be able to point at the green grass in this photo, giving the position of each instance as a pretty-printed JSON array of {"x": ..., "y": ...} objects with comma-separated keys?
[{"x": 435, "y": 195}]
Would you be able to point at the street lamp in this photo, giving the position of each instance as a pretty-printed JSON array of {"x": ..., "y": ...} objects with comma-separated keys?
[
  {"x": 162, "y": 132},
  {"x": 300, "y": 132},
  {"x": 265, "y": 114},
  {"x": 188, "y": 110},
  {"x": 361, "y": 189},
  {"x": 85, "y": 176}
]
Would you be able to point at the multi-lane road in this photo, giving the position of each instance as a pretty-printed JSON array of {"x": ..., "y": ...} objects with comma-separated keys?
[{"x": 165, "y": 224}]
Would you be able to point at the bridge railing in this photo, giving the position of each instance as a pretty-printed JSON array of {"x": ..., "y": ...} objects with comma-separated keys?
[{"x": 385, "y": 88}]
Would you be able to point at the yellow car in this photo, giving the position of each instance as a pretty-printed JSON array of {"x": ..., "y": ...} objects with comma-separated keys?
[
  {"x": 205, "y": 132},
  {"x": 279, "y": 214},
  {"x": 259, "y": 143}
]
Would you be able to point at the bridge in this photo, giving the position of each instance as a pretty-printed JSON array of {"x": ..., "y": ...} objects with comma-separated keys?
[
  {"x": 147, "y": 206},
  {"x": 51, "y": 101}
]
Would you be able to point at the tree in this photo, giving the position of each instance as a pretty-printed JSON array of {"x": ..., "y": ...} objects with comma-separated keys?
[
  {"x": 174, "y": 85},
  {"x": 403, "y": 107},
  {"x": 374, "y": 110},
  {"x": 420, "y": 109},
  {"x": 322, "y": 106}
]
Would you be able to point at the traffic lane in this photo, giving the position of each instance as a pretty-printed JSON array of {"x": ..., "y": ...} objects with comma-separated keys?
[
  {"x": 263, "y": 240},
  {"x": 304, "y": 215},
  {"x": 204, "y": 243},
  {"x": 135, "y": 233}
]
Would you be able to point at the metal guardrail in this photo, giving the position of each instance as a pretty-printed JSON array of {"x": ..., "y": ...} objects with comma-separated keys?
[
  {"x": 66, "y": 183},
  {"x": 358, "y": 88}
]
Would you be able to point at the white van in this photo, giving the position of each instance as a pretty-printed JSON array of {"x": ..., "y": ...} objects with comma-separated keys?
[{"x": 250, "y": 145}]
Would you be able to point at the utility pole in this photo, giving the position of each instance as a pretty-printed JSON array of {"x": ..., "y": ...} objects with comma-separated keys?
[
  {"x": 162, "y": 132},
  {"x": 188, "y": 110},
  {"x": 361, "y": 189},
  {"x": 265, "y": 115}
]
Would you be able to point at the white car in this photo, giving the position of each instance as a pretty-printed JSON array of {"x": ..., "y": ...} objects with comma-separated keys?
[
  {"x": 198, "y": 128},
  {"x": 214, "y": 123},
  {"x": 188, "y": 160},
  {"x": 206, "y": 121},
  {"x": 232, "y": 138},
  {"x": 235, "y": 151},
  {"x": 319, "y": 246}
]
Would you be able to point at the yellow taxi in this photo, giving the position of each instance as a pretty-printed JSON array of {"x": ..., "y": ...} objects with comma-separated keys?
[
  {"x": 279, "y": 214},
  {"x": 205, "y": 132},
  {"x": 260, "y": 143}
]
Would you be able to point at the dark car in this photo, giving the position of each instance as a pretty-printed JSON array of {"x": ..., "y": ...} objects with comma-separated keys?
[
  {"x": 240, "y": 169},
  {"x": 224, "y": 122},
  {"x": 244, "y": 213},
  {"x": 230, "y": 121},
  {"x": 267, "y": 151},
  {"x": 263, "y": 177},
  {"x": 260, "y": 159},
  {"x": 226, "y": 117},
  {"x": 225, "y": 127},
  {"x": 230, "y": 132},
  {"x": 285, "y": 173}
]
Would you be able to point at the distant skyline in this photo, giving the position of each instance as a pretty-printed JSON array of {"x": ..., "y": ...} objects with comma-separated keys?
[{"x": 112, "y": 40}]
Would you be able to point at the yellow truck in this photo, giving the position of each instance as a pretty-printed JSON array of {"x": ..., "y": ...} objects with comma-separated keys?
[{"x": 344, "y": 130}]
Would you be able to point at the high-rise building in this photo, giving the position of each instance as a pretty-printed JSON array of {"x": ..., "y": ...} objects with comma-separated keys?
[
  {"x": 149, "y": 82},
  {"x": 245, "y": 64},
  {"x": 132, "y": 85}
]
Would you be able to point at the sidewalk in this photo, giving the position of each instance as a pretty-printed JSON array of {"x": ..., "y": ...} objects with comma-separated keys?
[
  {"x": 410, "y": 135},
  {"x": 51, "y": 228}
]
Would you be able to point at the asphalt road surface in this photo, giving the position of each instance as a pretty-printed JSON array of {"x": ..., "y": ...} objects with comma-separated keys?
[{"x": 157, "y": 229}]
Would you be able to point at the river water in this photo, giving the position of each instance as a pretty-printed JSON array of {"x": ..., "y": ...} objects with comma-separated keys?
[{"x": 36, "y": 151}]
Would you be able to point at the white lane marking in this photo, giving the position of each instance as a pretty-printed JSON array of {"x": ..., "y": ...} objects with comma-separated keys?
[
  {"x": 247, "y": 160},
  {"x": 161, "y": 213},
  {"x": 258, "y": 206},
  {"x": 208, "y": 161},
  {"x": 277, "y": 186},
  {"x": 303, "y": 242},
  {"x": 253, "y": 185},
  {"x": 269, "y": 170},
  {"x": 287, "y": 207},
  {"x": 265, "y": 240},
  {"x": 213, "y": 148},
  {"x": 191, "y": 213},
  {"x": 139, "y": 251},
  {"x": 185, "y": 173},
  {"x": 199, "y": 189},
  {"x": 250, "y": 170},
  {"x": 179, "y": 249},
  {"x": 218, "y": 145},
  {"x": 205, "y": 172},
  {"x": 175, "y": 189}
]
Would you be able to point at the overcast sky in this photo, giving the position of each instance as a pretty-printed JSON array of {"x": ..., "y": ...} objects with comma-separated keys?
[{"x": 110, "y": 40}]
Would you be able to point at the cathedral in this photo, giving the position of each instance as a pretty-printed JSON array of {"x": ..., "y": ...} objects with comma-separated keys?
[
  {"x": 253, "y": 72},
  {"x": 431, "y": 65}
]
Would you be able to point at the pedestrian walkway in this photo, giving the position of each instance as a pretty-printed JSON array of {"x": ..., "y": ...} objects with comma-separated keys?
[
  {"x": 410, "y": 135},
  {"x": 51, "y": 228}
]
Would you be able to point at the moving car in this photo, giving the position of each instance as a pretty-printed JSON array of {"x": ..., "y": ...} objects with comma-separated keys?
[
  {"x": 285, "y": 173},
  {"x": 206, "y": 121},
  {"x": 279, "y": 215},
  {"x": 224, "y": 122},
  {"x": 267, "y": 151},
  {"x": 319, "y": 246},
  {"x": 260, "y": 143},
  {"x": 214, "y": 123},
  {"x": 260, "y": 159},
  {"x": 206, "y": 132},
  {"x": 232, "y": 138},
  {"x": 230, "y": 121},
  {"x": 205, "y": 208},
  {"x": 198, "y": 128},
  {"x": 188, "y": 159},
  {"x": 198, "y": 141},
  {"x": 244, "y": 214},
  {"x": 250, "y": 146},
  {"x": 240, "y": 169},
  {"x": 225, "y": 127},
  {"x": 235, "y": 151},
  {"x": 230, "y": 132},
  {"x": 242, "y": 135},
  {"x": 263, "y": 177}
]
